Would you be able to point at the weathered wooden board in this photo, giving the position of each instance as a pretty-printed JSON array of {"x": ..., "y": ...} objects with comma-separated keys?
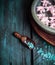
[
  {"x": 13, "y": 18},
  {"x": 44, "y": 53}
]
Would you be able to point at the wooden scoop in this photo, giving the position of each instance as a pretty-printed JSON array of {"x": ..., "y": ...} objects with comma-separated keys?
[{"x": 25, "y": 40}]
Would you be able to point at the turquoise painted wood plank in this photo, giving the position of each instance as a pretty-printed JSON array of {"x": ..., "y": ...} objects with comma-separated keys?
[
  {"x": 44, "y": 53},
  {"x": 13, "y": 18},
  {"x": 26, "y": 52}
]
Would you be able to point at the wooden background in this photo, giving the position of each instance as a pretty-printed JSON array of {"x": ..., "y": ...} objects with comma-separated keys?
[{"x": 14, "y": 17}]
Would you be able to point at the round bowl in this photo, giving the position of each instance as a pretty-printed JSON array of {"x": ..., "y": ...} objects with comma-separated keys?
[{"x": 34, "y": 15}]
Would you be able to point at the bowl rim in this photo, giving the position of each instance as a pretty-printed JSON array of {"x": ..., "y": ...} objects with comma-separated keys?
[{"x": 34, "y": 15}]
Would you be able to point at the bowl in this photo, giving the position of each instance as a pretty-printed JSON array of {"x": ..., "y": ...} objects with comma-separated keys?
[{"x": 37, "y": 20}]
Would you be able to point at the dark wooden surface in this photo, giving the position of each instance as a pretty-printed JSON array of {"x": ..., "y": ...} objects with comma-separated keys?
[
  {"x": 14, "y": 17},
  {"x": 50, "y": 38}
]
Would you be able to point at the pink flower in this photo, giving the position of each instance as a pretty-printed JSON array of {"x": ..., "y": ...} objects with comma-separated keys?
[
  {"x": 52, "y": 18},
  {"x": 45, "y": 20},
  {"x": 53, "y": 25},
  {"x": 40, "y": 16},
  {"x": 52, "y": 9},
  {"x": 41, "y": 9},
  {"x": 45, "y": 3}
]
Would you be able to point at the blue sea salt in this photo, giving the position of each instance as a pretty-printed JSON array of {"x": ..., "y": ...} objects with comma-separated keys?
[
  {"x": 54, "y": 63},
  {"x": 40, "y": 51},
  {"x": 30, "y": 45},
  {"x": 48, "y": 56}
]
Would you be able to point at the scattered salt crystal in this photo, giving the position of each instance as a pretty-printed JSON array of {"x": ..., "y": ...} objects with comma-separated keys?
[
  {"x": 46, "y": 55},
  {"x": 30, "y": 45}
]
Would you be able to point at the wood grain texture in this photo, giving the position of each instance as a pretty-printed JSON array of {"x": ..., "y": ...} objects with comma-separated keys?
[
  {"x": 13, "y": 18},
  {"x": 46, "y": 36},
  {"x": 44, "y": 53}
]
